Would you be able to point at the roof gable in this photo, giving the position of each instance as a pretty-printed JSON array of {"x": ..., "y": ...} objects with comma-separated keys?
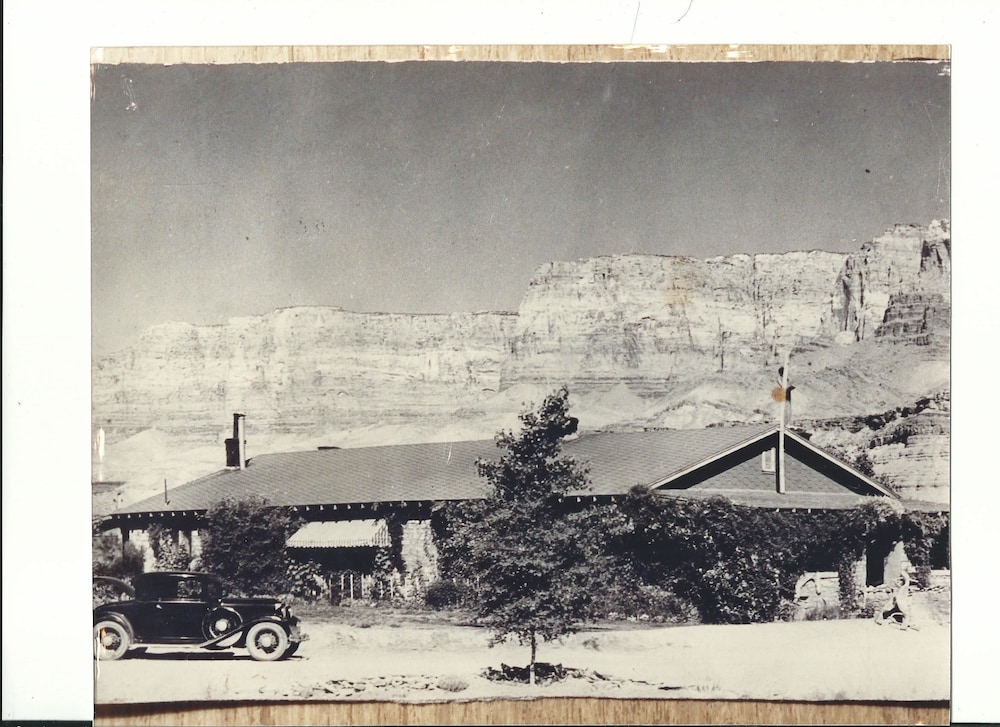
[{"x": 812, "y": 474}]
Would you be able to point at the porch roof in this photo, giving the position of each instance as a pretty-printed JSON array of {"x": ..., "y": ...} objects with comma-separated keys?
[{"x": 341, "y": 534}]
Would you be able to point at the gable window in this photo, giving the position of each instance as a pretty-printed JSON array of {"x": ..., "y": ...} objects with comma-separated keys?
[{"x": 767, "y": 461}]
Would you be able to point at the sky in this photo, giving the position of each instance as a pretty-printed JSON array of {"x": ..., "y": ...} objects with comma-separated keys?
[{"x": 221, "y": 191}]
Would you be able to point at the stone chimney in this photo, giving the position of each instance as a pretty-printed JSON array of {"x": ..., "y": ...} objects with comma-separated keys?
[{"x": 236, "y": 446}]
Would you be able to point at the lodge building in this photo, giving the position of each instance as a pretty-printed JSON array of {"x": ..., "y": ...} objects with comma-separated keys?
[{"x": 355, "y": 501}]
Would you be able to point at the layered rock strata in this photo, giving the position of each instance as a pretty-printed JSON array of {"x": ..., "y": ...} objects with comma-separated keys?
[
  {"x": 300, "y": 369},
  {"x": 641, "y": 340}
]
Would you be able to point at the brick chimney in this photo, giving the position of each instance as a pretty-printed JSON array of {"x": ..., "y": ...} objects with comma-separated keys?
[{"x": 236, "y": 446}]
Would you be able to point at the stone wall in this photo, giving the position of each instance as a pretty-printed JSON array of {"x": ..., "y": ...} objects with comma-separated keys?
[{"x": 420, "y": 558}]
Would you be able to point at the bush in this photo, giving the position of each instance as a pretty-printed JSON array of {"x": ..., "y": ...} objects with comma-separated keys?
[
  {"x": 728, "y": 561},
  {"x": 386, "y": 575},
  {"x": 630, "y": 598},
  {"x": 452, "y": 684},
  {"x": 110, "y": 559},
  {"x": 168, "y": 555},
  {"x": 442, "y": 594},
  {"x": 304, "y": 580},
  {"x": 739, "y": 565},
  {"x": 243, "y": 541},
  {"x": 921, "y": 533},
  {"x": 821, "y": 611}
]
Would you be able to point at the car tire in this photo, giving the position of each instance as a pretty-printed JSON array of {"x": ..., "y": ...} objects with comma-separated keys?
[
  {"x": 267, "y": 641},
  {"x": 111, "y": 640}
]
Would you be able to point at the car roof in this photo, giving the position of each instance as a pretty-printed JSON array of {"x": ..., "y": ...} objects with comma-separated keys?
[{"x": 171, "y": 575}]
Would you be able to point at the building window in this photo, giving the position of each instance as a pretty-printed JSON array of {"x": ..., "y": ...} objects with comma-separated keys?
[{"x": 767, "y": 461}]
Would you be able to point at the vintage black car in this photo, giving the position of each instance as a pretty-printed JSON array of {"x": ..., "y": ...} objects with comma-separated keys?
[{"x": 191, "y": 609}]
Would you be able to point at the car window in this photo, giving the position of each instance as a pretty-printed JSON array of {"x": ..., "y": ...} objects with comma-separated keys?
[
  {"x": 149, "y": 589},
  {"x": 212, "y": 589},
  {"x": 189, "y": 589}
]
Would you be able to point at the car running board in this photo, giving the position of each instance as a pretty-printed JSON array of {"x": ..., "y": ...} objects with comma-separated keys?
[{"x": 235, "y": 634}]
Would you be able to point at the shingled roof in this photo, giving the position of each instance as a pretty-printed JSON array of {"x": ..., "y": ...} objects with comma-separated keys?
[{"x": 707, "y": 462}]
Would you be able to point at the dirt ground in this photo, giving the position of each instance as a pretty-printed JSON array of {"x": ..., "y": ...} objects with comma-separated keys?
[{"x": 816, "y": 660}]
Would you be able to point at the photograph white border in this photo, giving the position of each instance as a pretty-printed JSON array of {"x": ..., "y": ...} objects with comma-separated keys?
[{"x": 47, "y": 672}]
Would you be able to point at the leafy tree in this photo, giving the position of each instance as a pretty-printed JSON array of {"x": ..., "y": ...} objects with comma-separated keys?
[
  {"x": 532, "y": 561},
  {"x": 244, "y": 542}
]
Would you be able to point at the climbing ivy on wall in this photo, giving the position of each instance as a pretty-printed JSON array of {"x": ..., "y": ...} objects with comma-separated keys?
[{"x": 730, "y": 564}]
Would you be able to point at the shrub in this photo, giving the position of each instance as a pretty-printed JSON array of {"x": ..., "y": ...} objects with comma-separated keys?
[
  {"x": 304, "y": 580},
  {"x": 723, "y": 558},
  {"x": 385, "y": 574},
  {"x": 109, "y": 558},
  {"x": 739, "y": 565},
  {"x": 244, "y": 542},
  {"x": 168, "y": 555},
  {"x": 416, "y": 582},
  {"x": 629, "y": 597},
  {"x": 789, "y": 611},
  {"x": 452, "y": 683},
  {"x": 442, "y": 594},
  {"x": 826, "y": 612},
  {"x": 921, "y": 533}
]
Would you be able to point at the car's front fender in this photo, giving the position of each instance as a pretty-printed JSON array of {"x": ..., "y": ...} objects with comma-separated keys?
[{"x": 237, "y": 636}]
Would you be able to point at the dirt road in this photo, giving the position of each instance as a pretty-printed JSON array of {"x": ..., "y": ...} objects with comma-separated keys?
[{"x": 823, "y": 660}]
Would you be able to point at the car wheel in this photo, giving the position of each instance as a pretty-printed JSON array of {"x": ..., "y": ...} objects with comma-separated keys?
[
  {"x": 111, "y": 641},
  {"x": 267, "y": 642},
  {"x": 221, "y": 621}
]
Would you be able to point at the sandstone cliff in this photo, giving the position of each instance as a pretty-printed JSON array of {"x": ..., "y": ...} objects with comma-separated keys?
[
  {"x": 908, "y": 447},
  {"x": 641, "y": 341},
  {"x": 298, "y": 370},
  {"x": 908, "y": 259},
  {"x": 646, "y": 320}
]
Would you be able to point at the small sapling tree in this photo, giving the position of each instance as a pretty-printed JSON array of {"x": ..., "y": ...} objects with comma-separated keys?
[{"x": 532, "y": 562}]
